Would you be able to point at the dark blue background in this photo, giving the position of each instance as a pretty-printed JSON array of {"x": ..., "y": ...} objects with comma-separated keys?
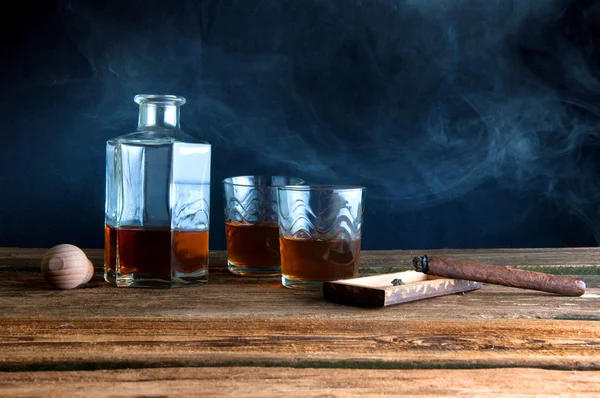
[{"x": 471, "y": 123}]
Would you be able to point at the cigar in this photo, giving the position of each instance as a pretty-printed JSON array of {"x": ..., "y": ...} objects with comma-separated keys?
[{"x": 498, "y": 275}]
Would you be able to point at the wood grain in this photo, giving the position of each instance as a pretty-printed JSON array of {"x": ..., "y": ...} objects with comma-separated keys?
[
  {"x": 27, "y": 294},
  {"x": 289, "y": 382},
  {"x": 101, "y": 343}
]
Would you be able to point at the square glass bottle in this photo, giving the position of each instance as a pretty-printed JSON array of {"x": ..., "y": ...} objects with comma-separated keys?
[{"x": 157, "y": 201}]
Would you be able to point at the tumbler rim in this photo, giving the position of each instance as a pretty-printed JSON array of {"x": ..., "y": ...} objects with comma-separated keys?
[
  {"x": 321, "y": 187},
  {"x": 229, "y": 180}
]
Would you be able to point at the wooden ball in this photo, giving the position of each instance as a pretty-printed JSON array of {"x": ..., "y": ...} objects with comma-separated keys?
[{"x": 66, "y": 267}]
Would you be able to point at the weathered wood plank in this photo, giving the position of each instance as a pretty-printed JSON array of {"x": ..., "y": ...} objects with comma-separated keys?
[
  {"x": 104, "y": 343},
  {"x": 261, "y": 382},
  {"x": 207, "y": 338},
  {"x": 557, "y": 259},
  {"x": 28, "y": 295}
]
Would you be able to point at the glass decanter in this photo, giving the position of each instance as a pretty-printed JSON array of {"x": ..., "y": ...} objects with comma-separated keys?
[{"x": 157, "y": 201}]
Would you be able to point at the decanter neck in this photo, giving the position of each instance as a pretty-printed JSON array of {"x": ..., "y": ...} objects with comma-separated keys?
[{"x": 158, "y": 111}]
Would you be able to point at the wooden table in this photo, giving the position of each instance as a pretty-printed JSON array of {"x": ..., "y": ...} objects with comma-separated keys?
[{"x": 252, "y": 337}]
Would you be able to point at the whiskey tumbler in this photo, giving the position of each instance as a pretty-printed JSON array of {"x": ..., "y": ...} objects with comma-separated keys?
[{"x": 319, "y": 233}]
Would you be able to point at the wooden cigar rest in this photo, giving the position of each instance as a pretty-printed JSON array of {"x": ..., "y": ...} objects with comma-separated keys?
[{"x": 379, "y": 290}]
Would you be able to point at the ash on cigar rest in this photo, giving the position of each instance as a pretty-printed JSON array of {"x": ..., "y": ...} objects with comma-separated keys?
[{"x": 394, "y": 288}]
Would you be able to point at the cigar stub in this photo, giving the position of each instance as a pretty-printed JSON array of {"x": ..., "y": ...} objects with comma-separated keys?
[{"x": 499, "y": 275}]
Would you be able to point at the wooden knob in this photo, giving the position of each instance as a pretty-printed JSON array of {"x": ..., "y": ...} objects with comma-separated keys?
[{"x": 66, "y": 267}]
